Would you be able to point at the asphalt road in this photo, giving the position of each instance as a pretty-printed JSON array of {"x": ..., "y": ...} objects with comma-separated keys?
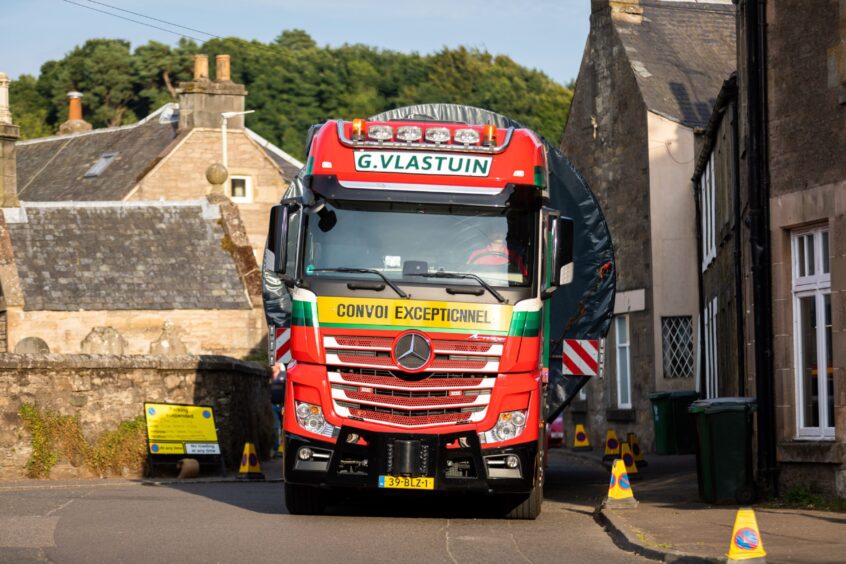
[{"x": 123, "y": 521}]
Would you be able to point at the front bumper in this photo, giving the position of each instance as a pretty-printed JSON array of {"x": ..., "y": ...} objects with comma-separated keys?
[{"x": 456, "y": 461}]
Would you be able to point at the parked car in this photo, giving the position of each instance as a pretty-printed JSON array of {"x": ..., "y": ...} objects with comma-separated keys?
[{"x": 556, "y": 432}]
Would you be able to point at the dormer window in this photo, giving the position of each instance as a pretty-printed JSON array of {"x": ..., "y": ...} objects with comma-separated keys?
[{"x": 101, "y": 165}]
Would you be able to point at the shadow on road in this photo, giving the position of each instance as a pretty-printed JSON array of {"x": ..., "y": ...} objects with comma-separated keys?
[{"x": 569, "y": 481}]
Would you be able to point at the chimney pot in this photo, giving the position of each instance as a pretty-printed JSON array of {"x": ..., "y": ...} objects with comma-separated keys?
[
  {"x": 221, "y": 63},
  {"x": 5, "y": 112},
  {"x": 201, "y": 67},
  {"x": 75, "y": 123},
  {"x": 75, "y": 106}
]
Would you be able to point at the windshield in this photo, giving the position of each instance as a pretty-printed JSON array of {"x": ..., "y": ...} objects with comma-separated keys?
[{"x": 404, "y": 242}]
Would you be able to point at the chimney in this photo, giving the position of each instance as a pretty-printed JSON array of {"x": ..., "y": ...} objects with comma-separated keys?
[
  {"x": 201, "y": 101},
  {"x": 201, "y": 67},
  {"x": 221, "y": 68},
  {"x": 9, "y": 134},
  {"x": 75, "y": 123},
  {"x": 627, "y": 11}
]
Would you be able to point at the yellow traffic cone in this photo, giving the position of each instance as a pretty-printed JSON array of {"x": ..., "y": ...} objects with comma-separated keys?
[
  {"x": 612, "y": 446},
  {"x": 250, "y": 467},
  {"x": 628, "y": 460},
  {"x": 620, "y": 494},
  {"x": 580, "y": 439},
  {"x": 634, "y": 444},
  {"x": 746, "y": 543}
]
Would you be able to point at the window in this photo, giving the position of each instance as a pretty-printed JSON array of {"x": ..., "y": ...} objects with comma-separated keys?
[
  {"x": 677, "y": 340},
  {"x": 624, "y": 380},
  {"x": 709, "y": 317},
  {"x": 101, "y": 165},
  {"x": 240, "y": 189},
  {"x": 708, "y": 212},
  {"x": 812, "y": 334}
]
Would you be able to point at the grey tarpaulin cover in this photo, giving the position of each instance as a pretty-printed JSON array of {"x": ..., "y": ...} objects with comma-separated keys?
[{"x": 581, "y": 310}]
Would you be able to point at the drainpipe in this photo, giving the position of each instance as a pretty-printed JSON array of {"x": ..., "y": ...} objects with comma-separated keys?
[
  {"x": 738, "y": 231},
  {"x": 759, "y": 239}
]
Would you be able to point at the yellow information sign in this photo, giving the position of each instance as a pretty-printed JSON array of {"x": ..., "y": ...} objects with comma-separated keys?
[
  {"x": 413, "y": 313},
  {"x": 180, "y": 429}
]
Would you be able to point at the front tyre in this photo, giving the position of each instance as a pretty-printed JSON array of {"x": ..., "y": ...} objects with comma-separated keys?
[
  {"x": 527, "y": 508},
  {"x": 305, "y": 500}
]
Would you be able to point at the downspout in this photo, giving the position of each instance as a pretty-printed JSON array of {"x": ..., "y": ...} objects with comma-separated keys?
[
  {"x": 700, "y": 281},
  {"x": 756, "y": 36},
  {"x": 738, "y": 270}
]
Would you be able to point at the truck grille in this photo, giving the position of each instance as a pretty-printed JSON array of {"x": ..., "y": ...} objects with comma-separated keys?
[
  {"x": 375, "y": 352},
  {"x": 381, "y": 397}
]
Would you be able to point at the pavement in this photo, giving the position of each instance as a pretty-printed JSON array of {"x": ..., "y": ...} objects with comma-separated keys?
[{"x": 671, "y": 524}]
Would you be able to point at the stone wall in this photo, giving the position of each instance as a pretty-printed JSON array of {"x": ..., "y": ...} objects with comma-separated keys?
[
  {"x": 182, "y": 175},
  {"x": 606, "y": 140},
  {"x": 231, "y": 332},
  {"x": 104, "y": 390}
]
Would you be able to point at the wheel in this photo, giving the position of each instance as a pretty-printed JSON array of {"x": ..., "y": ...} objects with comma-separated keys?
[
  {"x": 529, "y": 507},
  {"x": 304, "y": 500}
]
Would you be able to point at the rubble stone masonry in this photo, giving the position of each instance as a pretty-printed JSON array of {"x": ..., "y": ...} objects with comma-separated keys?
[{"x": 104, "y": 390}]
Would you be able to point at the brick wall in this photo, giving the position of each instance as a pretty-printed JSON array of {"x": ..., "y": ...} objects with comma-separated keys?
[{"x": 103, "y": 391}]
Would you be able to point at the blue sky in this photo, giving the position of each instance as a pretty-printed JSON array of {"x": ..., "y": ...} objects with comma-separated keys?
[{"x": 545, "y": 34}]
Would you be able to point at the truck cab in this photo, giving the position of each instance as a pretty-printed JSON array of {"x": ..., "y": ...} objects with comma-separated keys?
[{"x": 419, "y": 257}]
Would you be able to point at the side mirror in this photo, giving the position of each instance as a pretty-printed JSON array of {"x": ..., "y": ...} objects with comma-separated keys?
[
  {"x": 277, "y": 237},
  {"x": 562, "y": 235}
]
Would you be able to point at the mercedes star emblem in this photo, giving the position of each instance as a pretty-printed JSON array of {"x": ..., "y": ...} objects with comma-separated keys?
[{"x": 412, "y": 351}]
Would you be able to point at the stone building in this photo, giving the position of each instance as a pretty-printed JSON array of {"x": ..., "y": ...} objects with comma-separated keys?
[
  {"x": 785, "y": 175},
  {"x": 129, "y": 278},
  {"x": 649, "y": 76},
  {"x": 112, "y": 240},
  {"x": 163, "y": 156}
]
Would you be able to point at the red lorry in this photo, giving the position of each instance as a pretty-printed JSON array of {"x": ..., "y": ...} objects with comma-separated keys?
[{"x": 419, "y": 257}]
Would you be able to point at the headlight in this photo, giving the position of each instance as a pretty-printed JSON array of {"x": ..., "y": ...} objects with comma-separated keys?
[
  {"x": 380, "y": 132},
  {"x": 437, "y": 134},
  {"x": 467, "y": 136},
  {"x": 310, "y": 417},
  {"x": 509, "y": 426},
  {"x": 409, "y": 133}
]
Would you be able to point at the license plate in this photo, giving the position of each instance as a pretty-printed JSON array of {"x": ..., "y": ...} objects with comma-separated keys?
[{"x": 406, "y": 483}]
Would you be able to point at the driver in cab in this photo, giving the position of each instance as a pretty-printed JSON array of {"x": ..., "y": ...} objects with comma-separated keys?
[{"x": 496, "y": 253}]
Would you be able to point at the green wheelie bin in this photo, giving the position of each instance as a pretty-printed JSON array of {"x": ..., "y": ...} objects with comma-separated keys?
[
  {"x": 724, "y": 449},
  {"x": 674, "y": 430}
]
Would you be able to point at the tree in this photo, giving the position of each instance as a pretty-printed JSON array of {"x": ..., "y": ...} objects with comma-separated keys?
[
  {"x": 29, "y": 107},
  {"x": 292, "y": 84}
]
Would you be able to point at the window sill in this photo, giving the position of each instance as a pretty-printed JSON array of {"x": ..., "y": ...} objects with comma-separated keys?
[
  {"x": 621, "y": 415},
  {"x": 809, "y": 451},
  {"x": 578, "y": 406}
]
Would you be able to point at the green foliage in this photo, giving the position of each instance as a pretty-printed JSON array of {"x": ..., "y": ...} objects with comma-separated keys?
[
  {"x": 803, "y": 497},
  {"x": 56, "y": 437},
  {"x": 292, "y": 82}
]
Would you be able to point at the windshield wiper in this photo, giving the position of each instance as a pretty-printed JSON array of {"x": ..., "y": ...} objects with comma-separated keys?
[
  {"x": 442, "y": 274},
  {"x": 344, "y": 269}
]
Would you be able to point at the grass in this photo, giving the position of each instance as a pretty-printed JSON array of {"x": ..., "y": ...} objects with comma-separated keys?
[
  {"x": 802, "y": 497},
  {"x": 59, "y": 437}
]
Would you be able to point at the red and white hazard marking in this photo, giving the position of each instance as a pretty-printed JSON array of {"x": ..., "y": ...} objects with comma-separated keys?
[
  {"x": 280, "y": 345},
  {"x": 581, "y": 357}
]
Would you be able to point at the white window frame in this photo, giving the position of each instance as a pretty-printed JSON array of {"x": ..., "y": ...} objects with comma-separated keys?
[
  {"x": 248, "y": 189},
  {"x": 709, "y": 316},
  {"x": 817, "y": 285},
  {"x": 623, "y": 348},
  {"x": 708, "y": 213}
]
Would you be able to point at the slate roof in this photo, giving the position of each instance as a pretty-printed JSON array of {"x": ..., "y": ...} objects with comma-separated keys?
[
  {"x": 53, "y": 168},
  {"x": 680, "y": 55},
  {"x": 124, "y": 255}
]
